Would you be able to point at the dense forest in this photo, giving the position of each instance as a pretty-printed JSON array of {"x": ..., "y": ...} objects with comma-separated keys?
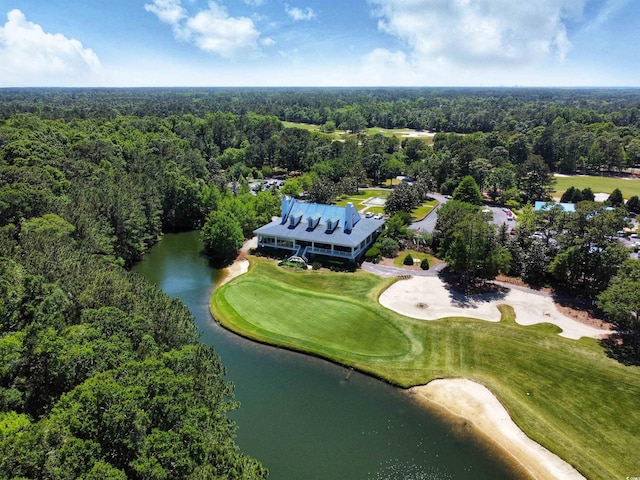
[{"x": 101, "y": 374}]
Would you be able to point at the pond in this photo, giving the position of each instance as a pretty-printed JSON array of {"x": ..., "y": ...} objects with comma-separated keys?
[{"x": 305, "y": 418}]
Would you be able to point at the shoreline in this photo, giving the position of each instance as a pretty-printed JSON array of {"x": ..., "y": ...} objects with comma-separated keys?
[
  {"x": 474, "y": 403},
  {"x": 464, "y": 399}
]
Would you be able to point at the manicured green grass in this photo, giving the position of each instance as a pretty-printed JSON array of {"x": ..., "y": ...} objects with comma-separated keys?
[
  {"x": 360, "y": 199},
  {"x": 398, "y": 261},
  {"x": 628, "y": 187},
  {"x": 565, "y": 394},
  {"x": 420, "y": 212}
]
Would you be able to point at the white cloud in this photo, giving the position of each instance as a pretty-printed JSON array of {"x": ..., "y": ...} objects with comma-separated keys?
[
  {"x": 31, "y": 56},
  {"x": 168, "y": 11},
  {"x": 255, "y": 3},
  {"x": 299, "y": 14},
  {"x": 479, "y": 32},
  {"x": 211, "y": 30}
]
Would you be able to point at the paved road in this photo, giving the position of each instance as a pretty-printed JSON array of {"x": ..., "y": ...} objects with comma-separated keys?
[
  {"x": 389, "y": 271},
  {"x": 428, "y": 223}
]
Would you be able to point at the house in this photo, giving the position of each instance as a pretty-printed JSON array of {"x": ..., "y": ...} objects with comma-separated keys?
[
  {"x": 307, "y": 229},
  {"x": 566, "y": 207}
]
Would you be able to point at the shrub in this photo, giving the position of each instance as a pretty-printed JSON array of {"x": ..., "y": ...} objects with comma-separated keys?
[
  {"x": 316, "y": 265},
  {"x": 372, "y": 255},
  {"x": 408, "y": 260},
  {"x": 424, "y": 264},
  {"x": 388, "y": 247}
]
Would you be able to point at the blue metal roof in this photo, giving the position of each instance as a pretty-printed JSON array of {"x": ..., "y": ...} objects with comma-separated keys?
[
  {"x": 567, "y": 207},
  {"x": 361, "y": 229},
  {"x": 364, "y": 228}
]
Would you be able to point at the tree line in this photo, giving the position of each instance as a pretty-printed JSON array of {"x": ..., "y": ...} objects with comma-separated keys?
[{"x": 102, "y": 375}]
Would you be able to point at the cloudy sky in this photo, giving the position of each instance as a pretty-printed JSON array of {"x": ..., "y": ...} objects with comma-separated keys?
[{"x": 319, "y": 43}]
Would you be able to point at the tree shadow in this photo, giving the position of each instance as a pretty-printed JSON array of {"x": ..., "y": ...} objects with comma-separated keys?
[
  {"x": 472, "y": 293},
  {"x": 620, "y": 348}
]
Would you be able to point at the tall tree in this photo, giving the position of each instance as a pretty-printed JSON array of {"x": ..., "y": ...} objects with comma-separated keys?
[
  {"x": 468, "y": 191},
  {"x": 222, "y": 237},
  {"x": 621, "y": 303}
]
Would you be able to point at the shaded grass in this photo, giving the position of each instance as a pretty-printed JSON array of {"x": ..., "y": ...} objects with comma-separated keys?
[
  {"x": 565, "y": 394},
  {"x": 628, "y": 187}
]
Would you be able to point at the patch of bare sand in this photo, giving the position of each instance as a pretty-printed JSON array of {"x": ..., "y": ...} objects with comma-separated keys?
[
  {"x": 240, "y": 265},
  {"x": 477, "y": 405},
  {"x": 428, "y": 298}
]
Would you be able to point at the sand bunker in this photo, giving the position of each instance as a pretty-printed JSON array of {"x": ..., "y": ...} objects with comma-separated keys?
[
  {"x": 409, "y": 297},
  {"x": 477, "y": 404}
]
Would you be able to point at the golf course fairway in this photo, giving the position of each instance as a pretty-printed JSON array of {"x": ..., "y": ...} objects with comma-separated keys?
[{"x": 567, "y": 395}]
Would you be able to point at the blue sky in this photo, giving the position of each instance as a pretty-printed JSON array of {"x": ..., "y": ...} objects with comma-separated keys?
[{"x": 319, "y": 43}]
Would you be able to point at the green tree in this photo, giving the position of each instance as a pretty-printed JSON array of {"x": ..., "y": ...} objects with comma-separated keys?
[
  {"x": 587, "y": 259},
  {"x": 468, "y": 191},
  {"x": 535, "y": 179},
  {"x": 615, "y": 199},
  {"x": 402, "y": 199},
  {"x": 474, "y": 252},
  {"x": 633, "y": 204},
  {"x": 621, "y": 303},
  {"x": 222, "y": 237}
]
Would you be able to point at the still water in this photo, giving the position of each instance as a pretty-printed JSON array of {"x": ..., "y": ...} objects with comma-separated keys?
[{"x": 305, "y": 418}]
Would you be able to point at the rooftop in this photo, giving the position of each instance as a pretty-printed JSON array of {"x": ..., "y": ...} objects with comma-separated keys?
[{"x": 317, "y": 222}]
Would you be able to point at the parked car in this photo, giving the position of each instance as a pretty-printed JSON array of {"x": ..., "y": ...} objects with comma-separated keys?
[
  {"x": 368, "y": 215},
  {"x": 377, "y": 216}
]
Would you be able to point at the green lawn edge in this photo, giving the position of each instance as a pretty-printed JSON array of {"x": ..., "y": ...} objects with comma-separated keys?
[
  {"x": 598, "y": 184},
  {"x": 564, "y": 394}
]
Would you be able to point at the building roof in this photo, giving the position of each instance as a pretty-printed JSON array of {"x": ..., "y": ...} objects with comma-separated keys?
[
  {"x": 567, "y": 207},
  {"x": 361, "y": 228}
]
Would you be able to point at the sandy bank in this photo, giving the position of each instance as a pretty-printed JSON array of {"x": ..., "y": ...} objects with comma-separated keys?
[
  {"x": 428, "y": 298},
  {"x": 477, "y": 405},
  {"x": 241, "y": 264}
]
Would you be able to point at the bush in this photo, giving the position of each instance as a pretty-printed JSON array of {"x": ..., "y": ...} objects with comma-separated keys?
[
  {"x": 408, "y": 260},
  {"x": 316, "y": 265},
  {"x": 424, "y": 264},
  {"x": 388, "y": 247},
  {"x": 372, "y": 255}
]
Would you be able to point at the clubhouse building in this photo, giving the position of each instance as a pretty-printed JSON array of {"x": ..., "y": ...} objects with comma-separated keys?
[{"x": 307, "y": 229}]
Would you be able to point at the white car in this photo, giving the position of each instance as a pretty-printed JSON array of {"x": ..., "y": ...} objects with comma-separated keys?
[
  {"x": 368, "y": 215},
  {"x": 377, "y": 216}
]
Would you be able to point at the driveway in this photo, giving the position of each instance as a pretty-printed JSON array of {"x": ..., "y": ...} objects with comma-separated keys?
[{"x": 428, "y": 223}]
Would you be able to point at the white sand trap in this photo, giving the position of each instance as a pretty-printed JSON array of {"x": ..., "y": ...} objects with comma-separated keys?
[
  {"x": 601, "y": 197},
  {"x": 476, "y": 404},
  {"x": 428, "y": 298}
]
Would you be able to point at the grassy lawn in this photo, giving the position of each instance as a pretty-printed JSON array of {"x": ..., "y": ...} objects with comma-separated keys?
[
  {"x": 565, "y": 394},
  {"x": 628, "y": 188},
  {"x": 364, "y": 195},
  {"x": 398, "y": 261},
  {"x": 420, "y": 212}
]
